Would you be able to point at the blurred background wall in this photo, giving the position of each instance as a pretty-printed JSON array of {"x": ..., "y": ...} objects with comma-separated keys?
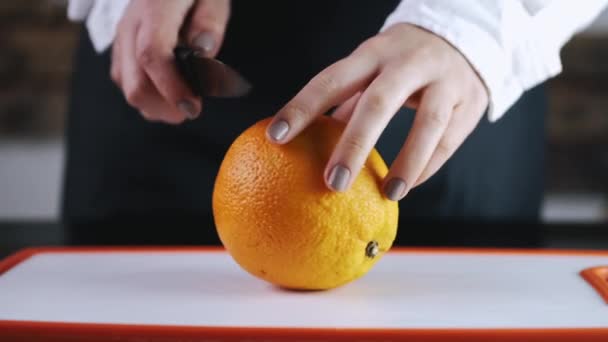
[{"x": 37, "y": 43}]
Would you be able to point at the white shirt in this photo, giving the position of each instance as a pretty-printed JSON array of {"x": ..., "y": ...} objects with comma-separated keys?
[{"x": 513, "y": 45}]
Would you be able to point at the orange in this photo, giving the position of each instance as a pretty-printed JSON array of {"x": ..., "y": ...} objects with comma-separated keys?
[{"x": 278, "y": 220}]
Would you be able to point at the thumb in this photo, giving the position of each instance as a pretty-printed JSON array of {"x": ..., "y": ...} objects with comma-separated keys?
[{"x": 205, "y": 31}]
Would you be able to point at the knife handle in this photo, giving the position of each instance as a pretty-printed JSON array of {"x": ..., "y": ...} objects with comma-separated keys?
[{"x": 184, "y": 58}]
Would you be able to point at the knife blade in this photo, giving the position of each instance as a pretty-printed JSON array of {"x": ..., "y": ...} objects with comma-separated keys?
[{"x": 209, "y": 77}]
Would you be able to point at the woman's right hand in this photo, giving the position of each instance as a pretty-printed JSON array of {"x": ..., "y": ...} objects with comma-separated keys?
[{"x": 143, "y": 64}]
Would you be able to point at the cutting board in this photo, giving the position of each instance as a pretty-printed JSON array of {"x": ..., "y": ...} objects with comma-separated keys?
[{"x": 201, "y": 294}]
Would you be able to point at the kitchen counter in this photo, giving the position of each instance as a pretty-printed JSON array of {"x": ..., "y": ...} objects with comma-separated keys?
[{"x": 18, "y": 235}]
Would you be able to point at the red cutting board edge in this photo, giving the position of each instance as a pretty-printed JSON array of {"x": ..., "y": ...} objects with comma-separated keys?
[{"x": 51, "y": 331}]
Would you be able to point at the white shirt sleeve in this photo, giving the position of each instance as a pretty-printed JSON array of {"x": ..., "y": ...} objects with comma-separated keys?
[
  {"x": 101, "y": 18},
  {"x": 513, "y": 45}
]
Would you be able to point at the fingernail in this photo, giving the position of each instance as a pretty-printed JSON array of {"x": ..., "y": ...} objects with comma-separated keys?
[
  {"x": 395, "y": 189},
  {"x": 338, "y": 178},
  {"x": 205, "y": 42},
  {"x": 278, "y": 130},
  {"x": 188, "y": 108}
]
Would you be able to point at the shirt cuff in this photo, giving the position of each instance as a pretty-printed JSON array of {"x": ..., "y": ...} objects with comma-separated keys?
[
  {"x": 102, "y": 18},
  {"x": 79, "y": 9}
]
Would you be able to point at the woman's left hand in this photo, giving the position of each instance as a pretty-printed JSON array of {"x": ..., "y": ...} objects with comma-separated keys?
[{"x": 404, "y": 65}]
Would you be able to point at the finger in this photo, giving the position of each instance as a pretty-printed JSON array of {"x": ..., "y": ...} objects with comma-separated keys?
[
  {"x": 207, "y": 25},
  {"x": 136, "y": 86},
  {"x": 431, "y": 120},
  {"x": 329, "y": 88},
  {"x": 345, "y": 110},
  {"x": 377, "y": 105},
  {"x": 154, "y": 106},
  {"x": 460, "y": 126},
  {"x": 154, "y": 46},
  {"x": 115, "y": 72}
]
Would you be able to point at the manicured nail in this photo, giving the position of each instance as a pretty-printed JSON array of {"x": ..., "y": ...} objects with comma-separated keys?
[
  {"x": 395, "y": 189},
  {"x": 188, "y": 108},
  {"x": 205, "y": 42},
  {"x": 338, "y": 178},
  {"x": 278, "y": 130}
]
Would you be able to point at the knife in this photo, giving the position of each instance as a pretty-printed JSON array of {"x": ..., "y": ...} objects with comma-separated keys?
[{"x": 209, "y": 77}]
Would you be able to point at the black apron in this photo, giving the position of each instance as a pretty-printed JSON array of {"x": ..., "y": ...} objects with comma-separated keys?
[{"x": 132, "y": 181}]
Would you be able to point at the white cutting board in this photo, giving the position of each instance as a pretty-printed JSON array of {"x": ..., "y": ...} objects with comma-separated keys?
[{"x": 407, "y": 289}]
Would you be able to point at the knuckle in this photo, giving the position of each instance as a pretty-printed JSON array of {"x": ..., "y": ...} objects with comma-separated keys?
[
  {"x": 146, "y": 115},
  {"x": 296, "y": 112},
  {"x": 147, "y": 55},
  {"x": 135, "y": 92},
  {"x": 404, "y": 57},
  {"x": 436, "y": 118},
  {"x": 326, "y": 83},
  {"x": 398, "y": 66},
  {"x": 375, "y": 104},
  {"x": 133, "y": 97},
  {"x": 354, "y": 146},
  {"x": 444, "y": 148},
  {"x": 447, "y": 145},
  {"x": 422, "y": 58},
  {"x": 373, "y": 45},
  {"x": 480, "y": 95},
  {"x": 115, "y": 75},
  {"x": 427, "y": 52}
]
